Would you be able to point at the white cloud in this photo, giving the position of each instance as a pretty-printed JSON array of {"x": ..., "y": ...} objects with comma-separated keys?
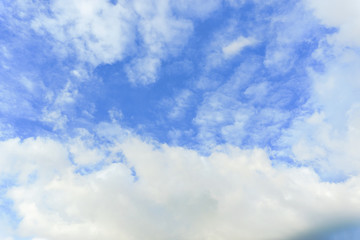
[
  {"x": 287, "y": 33},
  {"x": 326, "y": 137},
  {"x": 12, "y": 103},
  {"x": 224, "y": 44},
  {"x": 179, "y": 104},
  {"x": 143, "y": 70},
  {"x": 162, "y": 35},
  {"x": 237, "y": 46},
  {"x": 115, "y": 115},
  {"x": 56, "y": 118},
  {"x": 333, "y": 152},
  {"x": 58, "y": 102},
  {"x": 99, "y": 32},
  {"x": 330, "y": 133},
  {"x": 257, "y": 92},
  {"x": 343, "y": 15},
  {"x": 6, "y": 130},
  {"x": 242, "y": 110},
  {"x": 177, "y": 194},
  {"x": 23, "y": 158},
  {"x": 83, "y": 155}
]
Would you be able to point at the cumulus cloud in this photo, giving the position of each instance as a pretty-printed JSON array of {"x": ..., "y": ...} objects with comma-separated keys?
[
  {"x": 162, "y": 192},
  {"x": 294, "y": 29},
  {"x": 316, "y": 142},
  {"x": 329, "y": 132},
  {"x": 162, "y": 34},
  {"x": 109, "y": 183},
  {"x": 343, "y": 15},
  {"x": 100, "y": 32},
  {"x": 243, "y": 110},
  {"x": 324, "y": 135}
]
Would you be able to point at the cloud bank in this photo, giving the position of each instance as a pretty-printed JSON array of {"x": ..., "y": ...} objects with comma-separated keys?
[
  {"x": 143, "y": 189},
  {"x": 179, "y": 120}
]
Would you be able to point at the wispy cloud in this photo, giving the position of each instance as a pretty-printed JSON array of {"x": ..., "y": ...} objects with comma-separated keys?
[
  {"x": 237, "y": 45},
  {"x": 180, "y": 103}
]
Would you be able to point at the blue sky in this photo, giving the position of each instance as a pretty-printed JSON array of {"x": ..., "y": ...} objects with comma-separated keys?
[{"x": 164, "y": 119}]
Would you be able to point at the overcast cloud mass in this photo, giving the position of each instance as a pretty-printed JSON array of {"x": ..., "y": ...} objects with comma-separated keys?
[{"x": 179, "y": 119}]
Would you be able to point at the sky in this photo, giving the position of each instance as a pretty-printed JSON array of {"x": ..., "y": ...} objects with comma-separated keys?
[{"x": 179, "y": 119}]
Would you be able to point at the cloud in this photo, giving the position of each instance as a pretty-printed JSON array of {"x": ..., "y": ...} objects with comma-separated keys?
[
  {"x": 97, "y": 31},
  {"x": 244, "y": 110},
  {"x": 329, "y": 128},
  {"x": 143, "y": 70},
  {"x": 324, "y": 132},
  {"x": 101, "y": 32},
  {"x": 6, "y": 130},
  {"x": 105, "y": 182},
  {"x": 225, "y": 43},
  {"x": 162, "y": 35},
  {"x": 59, "y": 102},
  {"x": 176, "y": 193},
  {"x": 248, "y": 99},
  {"x": 115, "y": 115},
  {"x": 237, "y": 46},
  {"x": 343, "y": 15},
  {"x": 37, "y": 86},
  {"x": 290, "y": 35},
  {"x": 179, "y": 104}
]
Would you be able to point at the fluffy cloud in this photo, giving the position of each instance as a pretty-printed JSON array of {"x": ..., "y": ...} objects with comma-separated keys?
[
  {"x": 113, "y": 184},
  {"x": 162, "y": 34},
  {"x": 343, "y": 15},
  {"x": 162, "y": 192},
  {"x": 100, "y": 32},
  {"x": 324, "y": 136},
  {"x": 330, "y": 131},
  {"x": 97, "y": 31}
]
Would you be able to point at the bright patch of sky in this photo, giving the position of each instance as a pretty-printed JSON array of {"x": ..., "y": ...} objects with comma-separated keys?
[{"x": 164, "y": 119}]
